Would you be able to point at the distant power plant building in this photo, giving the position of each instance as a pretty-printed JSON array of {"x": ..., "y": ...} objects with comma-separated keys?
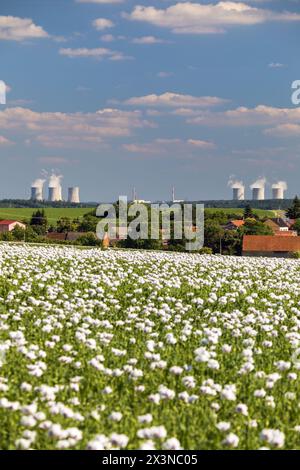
[
  {"x": 258, "y": 189},
  {"x": 73, "y": 195},
  {"x": 37, "y": 190},
  {"x": 278, "y": 190}
]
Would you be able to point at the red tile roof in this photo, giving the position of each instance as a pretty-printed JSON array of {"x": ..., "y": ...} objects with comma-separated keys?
[
  {"x": 289, "y": 233},
  {"x": 9, "y": 222},
  {"x": 237, "y": 223},
  {"x": 271, "y": 243}
]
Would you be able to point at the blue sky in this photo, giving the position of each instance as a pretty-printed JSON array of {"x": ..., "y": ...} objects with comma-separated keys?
[{"x": 115, "y": 94}]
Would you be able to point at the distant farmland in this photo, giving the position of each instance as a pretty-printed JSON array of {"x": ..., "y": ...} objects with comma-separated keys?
[
  {"x": 259, "y": 212},
  {"x": 52, "y": 213}
]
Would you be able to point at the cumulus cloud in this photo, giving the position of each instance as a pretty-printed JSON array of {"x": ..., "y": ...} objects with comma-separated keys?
[
  {"x": 102, "y": 23},
  {"x": 195, "y": 18},
  {"x": 261, "y": 115},
  {"x": 111, "y": 37},
  {"x": 5, "y": 141},
  {"x": 169, "y": 99},
  {"x": 148, "y": 40},
  {"x": 284, "y": 130},
  {"x": 101, "y": 2},
  {"x": 276, "y": 65},
  {"x": 164, "y": 74},
  {"x": 163, "y": 146},
  {"x": 69, "y": 129},
  {"x": 96, "y": 53},
  {"x": 13, "y": 28}
]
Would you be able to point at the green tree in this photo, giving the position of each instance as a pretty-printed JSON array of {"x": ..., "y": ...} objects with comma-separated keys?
[
  {"x": 232, "y": 242},
  {"x": 88, "y": 239},
  {"x": 255, "y": 227},
  {"x": 18, "y": 233},
  {"x": 65, "y": 224},
  {"x": 213, "y": 234},
  {"x": 296, "y": 226},
  {"x": 6, "y": 237},
  {"x": 88, "y": 224},
  {"x": 248, "y": 212},
  {"x": 39, "y": 221},
  {"x": 293, "y": 212}
]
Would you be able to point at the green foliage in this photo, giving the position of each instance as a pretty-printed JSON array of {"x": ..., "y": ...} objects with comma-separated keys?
[
  {"x": 293, "y": 212},
  {"x": 255, "y": 227},
  {"x": 65, "y": 224},
  {"x": 88, "y": 224},
  {"x": 18, "y": 233},
  {"x": 39, "y": 221},
  {"x": 248, "y": 212},
  {"x": 89, "y": 239},
  {"x": 296, "y": 226}
]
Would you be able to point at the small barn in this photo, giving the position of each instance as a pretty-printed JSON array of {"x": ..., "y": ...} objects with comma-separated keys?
[
  {"x": 9, "y": 225},
  {"x": 271, "y": 245}
]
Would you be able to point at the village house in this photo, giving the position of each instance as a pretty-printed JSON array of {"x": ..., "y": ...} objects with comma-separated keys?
[
  {"x": 234, "y": 224},
  {"x": 9, "y": 225}
]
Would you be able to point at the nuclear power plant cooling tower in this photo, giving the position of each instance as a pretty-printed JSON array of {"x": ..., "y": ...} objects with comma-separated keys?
[
  {"x": 277, "y": 193},
  {"x": 37, "y": 193},
  {"x": 258, "y": 194},
  {"x": 73, "y": 195},
  {"x": 55, "y": 194},
  {"x": 238, "y": 194}
]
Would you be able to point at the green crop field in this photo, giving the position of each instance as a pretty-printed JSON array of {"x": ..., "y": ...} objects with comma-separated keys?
[
  {"x": 259, "y": 212},
  {"x": 53, "y": 213}
]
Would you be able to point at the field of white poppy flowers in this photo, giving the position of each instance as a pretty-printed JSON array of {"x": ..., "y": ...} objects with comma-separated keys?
[{"x": 142, "y": 350}]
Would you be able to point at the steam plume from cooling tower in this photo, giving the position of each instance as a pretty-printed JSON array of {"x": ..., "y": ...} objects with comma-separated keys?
[
  {"x": 37, "y": 189},
  {"x": 278, "y": 190},
  {"x": 258, "y": 189},
  {"x": 238, "y": 188},
  {"x": 55, "y": 190}
]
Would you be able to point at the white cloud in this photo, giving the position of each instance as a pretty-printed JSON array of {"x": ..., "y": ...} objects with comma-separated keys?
[
  {"x": 148, "y": 40},
  {"x": 276, "y": 65},
  {"x": 68, "y": 129},
  {"x": 101, "y": 2},
  {"x": 107, "y": 38},
  {"x": 169, "y": 99},
  {"x": 96, "y": 53},
  {"x": 102, "y": 23},
  {"x": 5, "y": 141},
  {"x": 19, "y": 29},
  {"x": 261, "y": 115},
  {"x": 55, "y": 160},
  {"x": 195, "y": 18},
  {"x": 164, "y": 74},
  {"x": 284, "y": 130},
  {"x": 201, "y": 144},
  {"x": 164, "y": 146}
]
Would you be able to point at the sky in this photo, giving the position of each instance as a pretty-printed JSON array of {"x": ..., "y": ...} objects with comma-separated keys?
[{"x": 116, "y": 94}]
